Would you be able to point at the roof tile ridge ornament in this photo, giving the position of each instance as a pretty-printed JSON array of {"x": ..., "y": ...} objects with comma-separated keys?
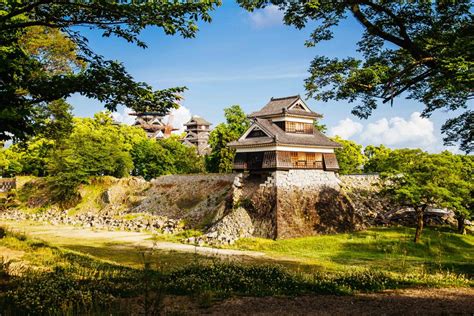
[
  {"x": 288, "y": 97},
  {"x": 284, "y": 110}
]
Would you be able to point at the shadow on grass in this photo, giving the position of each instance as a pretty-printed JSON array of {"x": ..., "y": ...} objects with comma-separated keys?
[
  {"x": 438, "y": 250},
  {"x": 171, "y": 260},
  {"x": 165, "y": 260}
]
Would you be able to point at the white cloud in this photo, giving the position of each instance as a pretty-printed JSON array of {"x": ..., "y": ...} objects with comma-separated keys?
[
  {"x": 397, "y": 131},
  {"x": 346, "y": 128},
  {"x": 124, "y": 116},
  {"x": 266, "y": 17},
  {"x": 179, "y": 116}
]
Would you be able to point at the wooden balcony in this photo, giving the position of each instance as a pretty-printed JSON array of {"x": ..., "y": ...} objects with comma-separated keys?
[{"x": 277, "y": 160}]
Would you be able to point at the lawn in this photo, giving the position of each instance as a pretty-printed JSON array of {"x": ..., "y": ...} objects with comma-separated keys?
[
  {"x": 103, "y": 274},
  {"x": 383, "y": 249}
]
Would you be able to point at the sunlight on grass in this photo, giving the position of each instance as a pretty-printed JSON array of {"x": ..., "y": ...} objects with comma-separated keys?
[{"x": 389, "y": 249}]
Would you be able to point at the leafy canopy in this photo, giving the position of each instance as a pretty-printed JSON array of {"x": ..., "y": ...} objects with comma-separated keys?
[
  {"x": 222, "y": 157},
  {"x": 153, "y": 158},
  {"x": 418, "y": 49},
  {"x": 349, "y": 157},
  {"x": 44, "y": 56}
]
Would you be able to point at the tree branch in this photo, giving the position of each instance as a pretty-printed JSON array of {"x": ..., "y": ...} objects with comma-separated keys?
[
  {"x": 408, "y": 85},
  {"x": 24, "y": 9},
  {"x": 404, "y": 42}
]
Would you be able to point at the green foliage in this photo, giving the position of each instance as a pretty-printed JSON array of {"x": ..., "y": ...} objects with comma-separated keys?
[
  {"x": 420, "y": 180},
  {"x": 150, "y": 160},
  {"x": 10, "y": 164},
  {"x": 377, "y": 159},
  {"x": 32, "y": 157},
  {"x": 70, "y": 154},
  {"x": 420, "y": 50},
  {"x": 222, "y": 157},
  {"x": 320, "y": 127},
  {"x": 44, "y": 56},
  {"x": 350, "y": 156},
  {"x": 184, "y": 158},
  {"x": 97, "y": 147},
  {"x": 153, "y": 158}
]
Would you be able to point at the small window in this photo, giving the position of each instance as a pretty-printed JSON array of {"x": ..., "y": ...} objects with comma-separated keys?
[{"x": 300, "y": 128}]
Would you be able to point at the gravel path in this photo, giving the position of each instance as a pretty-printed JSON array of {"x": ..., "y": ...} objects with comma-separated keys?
[{"x": 61, "y": 234}]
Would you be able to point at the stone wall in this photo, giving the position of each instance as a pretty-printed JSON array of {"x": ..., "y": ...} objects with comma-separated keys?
[
  {"x": 7, "y": 184},
  {"x": 304, "y": 179},
  {"x": 309, "y": 202},
  {"x": 295, "y": 203}
]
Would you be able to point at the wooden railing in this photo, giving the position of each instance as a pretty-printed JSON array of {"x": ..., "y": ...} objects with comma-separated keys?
[{"x": 7, "y": 184}]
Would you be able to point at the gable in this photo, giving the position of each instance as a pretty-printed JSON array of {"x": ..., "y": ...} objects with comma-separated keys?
[
  {"x": 255, "y": 131},
  {"x": 299, "y": 105}
]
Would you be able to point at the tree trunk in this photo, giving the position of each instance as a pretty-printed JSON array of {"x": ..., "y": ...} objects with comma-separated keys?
[
  {"x": 461, "y": 224},
  {"x": 420, "y": 211}
]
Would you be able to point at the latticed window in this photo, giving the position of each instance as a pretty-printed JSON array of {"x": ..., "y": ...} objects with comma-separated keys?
[{"x": 298, "y": 127}]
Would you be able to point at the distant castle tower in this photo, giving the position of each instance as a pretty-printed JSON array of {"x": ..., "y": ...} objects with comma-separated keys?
[
  {"x": 197, "y": 134},
  {"x": 152, "y": 123}
]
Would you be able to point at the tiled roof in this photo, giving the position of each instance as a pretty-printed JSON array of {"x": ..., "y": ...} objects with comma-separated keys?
[
  {"x": 281, "y": 105},
  {"x": 197, "y": 120},
  {"x": 278, "y": 136}
]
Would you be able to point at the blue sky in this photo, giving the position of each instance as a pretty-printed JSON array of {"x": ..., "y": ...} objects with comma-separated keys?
[{"x": 246, "y": 58}]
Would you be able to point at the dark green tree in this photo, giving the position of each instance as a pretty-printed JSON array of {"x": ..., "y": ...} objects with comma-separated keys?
[
  {"x": 184, "y": 158},
  {"x": 421, "y": 180},
  {"x": 421, "y": 50},
  {"x": 460, "y": 183},
  {"x": 153, "y": 158},
  {"x": 150, "y": 160},
  {"x": 222, "y": 157},
  {"x": 33, "y": 74}
]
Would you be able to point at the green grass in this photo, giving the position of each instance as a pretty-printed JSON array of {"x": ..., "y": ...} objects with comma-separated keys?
[
  {"x": 89, "y": 277},
  {"x": 384, "y": 249}
]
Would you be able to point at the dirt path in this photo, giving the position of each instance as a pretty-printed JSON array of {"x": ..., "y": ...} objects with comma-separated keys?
[
  {"x": 61, "y": 235},
  {"x": 397, "y": 302}
]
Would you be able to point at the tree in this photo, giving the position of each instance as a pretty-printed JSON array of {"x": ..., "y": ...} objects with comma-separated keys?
[
  {"x": 100, "y": 146},
  {"x": 153, "y": 158},
  {"x": 222, "y": 157},
  {"x": 422, "y": 181},
  {"x": 421, "y": 50},
  {"x": 185, "y": 159},
  {"x": 460, "y": 183},
  {"x": 150, "y": 160},
  {"x": 320, "y": 127},
  {"x": 376, "y": 158},
  {"x": 10, "y": 165},
  {"x": 35, "y": 71},
  {"x": 350, "y": 156}
]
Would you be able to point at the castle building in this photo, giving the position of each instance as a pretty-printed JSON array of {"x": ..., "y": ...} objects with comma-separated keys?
[
  {"x": 282, "y": 137},
  {"x": 197, "y": 134},
  {"x": 152, "y": 123}
]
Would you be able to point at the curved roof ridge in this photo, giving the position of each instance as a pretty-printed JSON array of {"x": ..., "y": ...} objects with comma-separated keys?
[{"x": 288, "y": 97}]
